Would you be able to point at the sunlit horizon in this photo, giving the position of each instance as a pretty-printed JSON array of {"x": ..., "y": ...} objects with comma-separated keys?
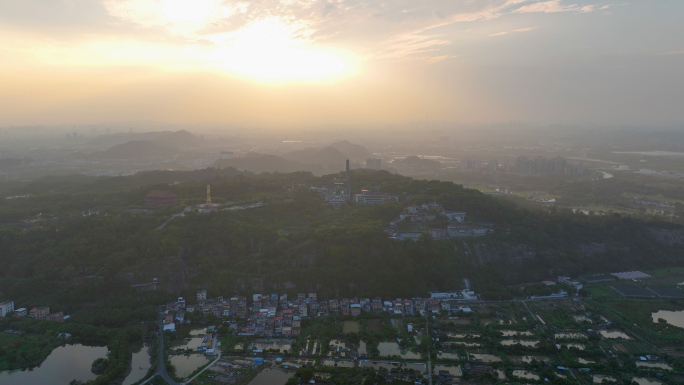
[{"x": 554, "y": 61}]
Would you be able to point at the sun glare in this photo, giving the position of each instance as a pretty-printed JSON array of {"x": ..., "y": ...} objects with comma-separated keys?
[{"x": 272, "y": 50}]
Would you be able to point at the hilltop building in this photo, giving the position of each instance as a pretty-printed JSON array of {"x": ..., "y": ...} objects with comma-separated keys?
[
  {"x": 374, "y": 199},
  {"x": 6, "y": 307},
  {"x": 336, "y": 194},
  {"x": 39, "y": 312}
]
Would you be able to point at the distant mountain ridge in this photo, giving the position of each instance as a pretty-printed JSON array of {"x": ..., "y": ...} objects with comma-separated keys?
[
  {"x": 351, "y": 150},
  {"x": 166, "y": 138},
  {"x": 322, "y": 156},
  {"x": 260, "y": 163},
  {"x": 137, "y": 149}
]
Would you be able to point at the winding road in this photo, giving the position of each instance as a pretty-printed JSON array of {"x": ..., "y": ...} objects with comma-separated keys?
[{"x": 161, "y": 367}]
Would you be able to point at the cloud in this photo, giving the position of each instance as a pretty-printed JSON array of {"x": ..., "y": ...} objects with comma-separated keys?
[
  {"x": 670, "y": 53},
  {"x": 374, "y": 29},
  {"x": 513, "y": 31},
  {"x": 554, "y": 6},
  {"x": 370, "y": 29}
]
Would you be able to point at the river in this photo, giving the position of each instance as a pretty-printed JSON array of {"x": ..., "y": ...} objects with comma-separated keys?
[
  {"x": 65, "y": 363},
  {"x": 271, "y": 377},
  {"x": 140, "y": 364},
  {"x": 675, "y": 318}
]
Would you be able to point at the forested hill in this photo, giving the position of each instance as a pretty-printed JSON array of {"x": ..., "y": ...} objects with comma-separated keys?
[{"x": 72, "y": 247}]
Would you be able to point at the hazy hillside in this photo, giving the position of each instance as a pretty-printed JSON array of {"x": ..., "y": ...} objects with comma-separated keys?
[
  {"x": 137, "y": 149},
  {"x": 351, "y": 150},
  {"x": 259, "y": 163},
  {"x": 323, "y": 156},
  {"x": 297, "y": 239},
  {"x": 167, "y": 138}
]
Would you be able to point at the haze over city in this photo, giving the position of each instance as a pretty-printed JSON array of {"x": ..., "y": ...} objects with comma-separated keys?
[
  {"x": 341, "y": 192},
  {"x": 289, "y": 63}
]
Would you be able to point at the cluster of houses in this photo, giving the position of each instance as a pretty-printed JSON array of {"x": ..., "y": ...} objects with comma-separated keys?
[
  {"x": 42, "y": 313},
  {"x": 339, "y": 193},
  {"x": 278, "y": 315},
  {"x": 416, "y": 215}
]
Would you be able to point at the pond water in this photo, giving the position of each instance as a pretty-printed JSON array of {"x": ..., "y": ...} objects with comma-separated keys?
[
  {"x": 340, "y": 363},
  {"x": 528, "y": 359},
  {"x": 192, "y": 343},
  {"x": 521, "y": 342},
  {"x": 511, "y": 333},
  {"x": 485, "y": 357},
  {"x": 388, "y": 349},
  {"x": 675, "y": 318},
  {"x": 185, "y": 365},
  {"x": 599, "y": 378},
  {"x": 462, "y": 343},
  {"x": 272, "y": 344},
  {"x": 525, "y": 374},
  {"x": 453, "y": 370},
  {"x": 614, "y": 334},
  {"x": 570, "y": 336},
  {"x": 271, "y": 377},
  {"x": 646, "y": 381},
  {"x": 660, "y": 365},
  {"x": 65, "y": 363},
  {"x": 448, "y": 356},
  {"x": 463, "y": 335},
  {"x": 140, "y": 364},
  {"x": 419, "y": 367},
  {"x": 351, "y": 327}
]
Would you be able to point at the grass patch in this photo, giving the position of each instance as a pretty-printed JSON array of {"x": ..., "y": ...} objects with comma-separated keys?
[{"x": 602, "y": 291}]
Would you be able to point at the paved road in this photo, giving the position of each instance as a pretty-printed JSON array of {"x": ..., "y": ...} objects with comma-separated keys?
[
  {"x": 161, "y": 368},
  {"x": 180, "y": 214}
]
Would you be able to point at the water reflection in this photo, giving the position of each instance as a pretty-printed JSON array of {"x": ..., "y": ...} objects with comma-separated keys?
[
  {"x": 599, "y": 378},
  {"x": 521, "y": 342},
  {"x": 646, "y": 381},
  {"x": 283, "y": 346},
  {"x": 271, "y": 377},
  {"x": 570, "y": 336},
  {"x": 511, "y": 333},
  {"x": 525, "y": 374},
  {"x": 388, "y": 349},
  {"x": 614, "y": 334},
  {"x": 654, "y": 365},
  {"x": 140, "y": 364},
  {"x": 65, "y": 363},
  {"x": 185, "y": 365},
  {"x": 675, "y": 318},
  {"x": 485, "y": 357}
]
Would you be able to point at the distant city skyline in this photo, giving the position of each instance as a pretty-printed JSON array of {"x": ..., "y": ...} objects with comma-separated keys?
[{"x": 297, "y": 62}]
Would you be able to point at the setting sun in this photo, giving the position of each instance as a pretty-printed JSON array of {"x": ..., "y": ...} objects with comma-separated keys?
[{"x": 273, "y": 50}]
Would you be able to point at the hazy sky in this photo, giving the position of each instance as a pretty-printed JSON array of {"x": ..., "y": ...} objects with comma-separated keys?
[{"x": 292, "y": 62}]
